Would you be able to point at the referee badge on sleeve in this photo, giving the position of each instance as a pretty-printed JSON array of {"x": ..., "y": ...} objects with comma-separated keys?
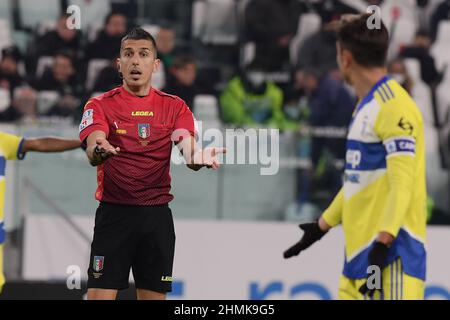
[{"x": 87, "y": 120}]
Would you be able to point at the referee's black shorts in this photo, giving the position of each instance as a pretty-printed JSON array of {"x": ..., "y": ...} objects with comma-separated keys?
[{"x": 138, "y": 237}]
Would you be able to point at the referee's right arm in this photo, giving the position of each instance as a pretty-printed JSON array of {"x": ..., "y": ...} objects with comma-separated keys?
[{"x": 99, "y": 149}]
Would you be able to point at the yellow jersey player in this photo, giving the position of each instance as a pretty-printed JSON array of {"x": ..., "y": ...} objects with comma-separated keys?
[
  {"x": 382, "y": 204},
  {"x": 14, "y": 148}
]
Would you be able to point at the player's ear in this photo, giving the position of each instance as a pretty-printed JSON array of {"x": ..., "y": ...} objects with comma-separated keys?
[{"x": 347, "y": 58}]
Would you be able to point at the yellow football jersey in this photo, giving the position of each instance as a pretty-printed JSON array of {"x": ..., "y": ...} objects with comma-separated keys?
[{"x": 384, "y": 182}]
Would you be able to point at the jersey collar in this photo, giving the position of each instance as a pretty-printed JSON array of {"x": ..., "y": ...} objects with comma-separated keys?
[{"x": 369, "y": 95}]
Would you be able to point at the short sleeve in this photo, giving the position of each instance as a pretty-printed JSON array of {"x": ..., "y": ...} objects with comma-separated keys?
[
  {"x": 11, "y": 146},
  {"x": 93, "y": 120},
  {"x": 185, "y": 124}
]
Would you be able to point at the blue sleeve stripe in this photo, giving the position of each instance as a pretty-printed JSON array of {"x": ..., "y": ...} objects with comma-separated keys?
[
  {"x": 381, "y": 95},
  {"x": 389, "y": 89},
  {"x": 385, "y": 93}
]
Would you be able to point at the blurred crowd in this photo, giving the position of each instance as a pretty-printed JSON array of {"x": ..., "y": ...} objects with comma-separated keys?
[
  {"x": 263, "y": 88},
  {"x": 265, "y": 62}
]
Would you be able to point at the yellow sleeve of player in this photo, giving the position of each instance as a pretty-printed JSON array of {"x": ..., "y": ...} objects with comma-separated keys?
[
  {"x": 397, "y": 126},
  {"x": 333, "y": 214},
  {"x": 10, "y": 145}
]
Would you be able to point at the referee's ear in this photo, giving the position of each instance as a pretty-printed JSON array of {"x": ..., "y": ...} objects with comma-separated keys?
[
  {"x": 156, "y": 65},
  {"x": 118, "y": 65}
]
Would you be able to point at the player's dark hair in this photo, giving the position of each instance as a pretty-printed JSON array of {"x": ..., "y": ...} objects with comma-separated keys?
[
  {"x": 140, "y": 34},
  {"x": 368, "y": 46}
]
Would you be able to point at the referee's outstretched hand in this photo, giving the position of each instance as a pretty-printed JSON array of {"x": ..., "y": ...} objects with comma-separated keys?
[
  {"x": 209, "y": 157},
  {"x": 105, "y": 149},
  {"x": 312, "y": 233}
]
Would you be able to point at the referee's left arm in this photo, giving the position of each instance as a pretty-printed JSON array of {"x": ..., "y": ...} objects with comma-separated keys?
[{"x": 199, "y": 158}]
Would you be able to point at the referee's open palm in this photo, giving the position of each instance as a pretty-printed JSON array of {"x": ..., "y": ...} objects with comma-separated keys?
[
  {"x": 106, "y": 148},
  {"x": 209, "y": 157}
]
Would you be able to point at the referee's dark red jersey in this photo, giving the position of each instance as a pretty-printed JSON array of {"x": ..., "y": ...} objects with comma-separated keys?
[{"x": 142, "y": 128}]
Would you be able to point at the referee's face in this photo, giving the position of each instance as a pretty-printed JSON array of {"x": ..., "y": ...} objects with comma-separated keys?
[{"x": 137, "y": 62}]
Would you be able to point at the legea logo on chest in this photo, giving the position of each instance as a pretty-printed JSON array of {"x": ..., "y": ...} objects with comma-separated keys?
[{"x": 142, "y": 114}]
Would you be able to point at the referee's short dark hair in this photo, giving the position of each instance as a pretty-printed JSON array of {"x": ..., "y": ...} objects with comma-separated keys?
[
  {"x": 140, "y": 34},
  {"x": 368, "y": 46}
]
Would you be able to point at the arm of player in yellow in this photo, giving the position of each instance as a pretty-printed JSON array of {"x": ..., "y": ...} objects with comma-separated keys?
[
  {"x": 397, "y": 123},
  {"x": 50, "y": 144},
  {"x": 333, "y": 214},
  {"x": 400, "y": 172}
]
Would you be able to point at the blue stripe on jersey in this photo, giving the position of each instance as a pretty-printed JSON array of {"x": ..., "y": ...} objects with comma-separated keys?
[
  {"x": 396, "y": 279},
  {"x": 2, "y": 165},
  {"x": 400, "y": 145},
  {"x": 364, "y": 156},
  {"x": 384, "y": 92},
  {"x": 383, "y": 98},
  {"x": 2, "y": 233},
  {"x": 390, "y": 90},
  {"x": 392, "y": 281},
  {"x": 369, "y": 96},
  {"x": 411, "y": 252},
  {"x": 401, "y": 280}
]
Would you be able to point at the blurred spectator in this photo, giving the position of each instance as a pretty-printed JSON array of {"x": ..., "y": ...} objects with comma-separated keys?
[
  {"x": 420, "y": 50},
  {"x": 181, "y": 79},
  {"x": 397, "y": 70},
  {"x": 62, "y": 38},
  {"x": 319, "y": 50},
  {"x": 271, "y": 24},
  {"x": 9, "y": 75},
  {"x": 249, "y": 99},
  {"x": 23, "y": 106},
  {"x": 108, "y": 40},
  {"x": 129, "y": 8},
  {"x": 442, "y": 12},
  {"x": 331, "y": 10},
  {"x": 108, "y": 78},
  {"x": 295, "y": 104},
  {"x": 331, "y": 105},
  {"x": 165, "y": 41},
  {"x": 61, "y": 78}
]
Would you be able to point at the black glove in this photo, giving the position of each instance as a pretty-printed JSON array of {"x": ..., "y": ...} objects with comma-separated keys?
[
  {"x": 377, "y": 257},
  {"x": 312, "y": 234}
]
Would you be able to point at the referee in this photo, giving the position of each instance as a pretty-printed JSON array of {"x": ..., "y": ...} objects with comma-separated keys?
[{"x": 129, "y": 133}]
